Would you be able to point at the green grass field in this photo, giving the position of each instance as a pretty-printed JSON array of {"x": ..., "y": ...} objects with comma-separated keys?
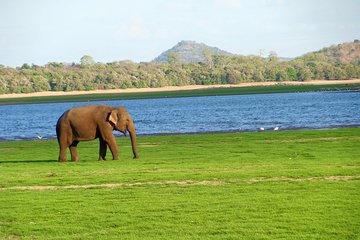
[
  {"x": 267, "y": 185},
  {"x": 185, "y": 93}
]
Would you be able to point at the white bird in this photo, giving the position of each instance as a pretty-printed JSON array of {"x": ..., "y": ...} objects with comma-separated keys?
[
  {"x": 276, "y": 128},
  {"x": 40, "y": 137},
  {"x": 262, "y": 129}
]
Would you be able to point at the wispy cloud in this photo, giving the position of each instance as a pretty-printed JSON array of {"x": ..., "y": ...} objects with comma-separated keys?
[
  {"x": 232, "y": 4},
  {"x": 135, "y": 28}
]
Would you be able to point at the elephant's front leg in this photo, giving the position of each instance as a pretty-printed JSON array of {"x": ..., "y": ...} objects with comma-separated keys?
[
  {"x": 113, "y": 147},
  {"x": 103, "y": 149}
]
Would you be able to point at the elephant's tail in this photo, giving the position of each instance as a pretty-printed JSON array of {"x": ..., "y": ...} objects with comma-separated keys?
[
  {"x": 58, "y": 127},
  {"x": 58, "y": 130}
]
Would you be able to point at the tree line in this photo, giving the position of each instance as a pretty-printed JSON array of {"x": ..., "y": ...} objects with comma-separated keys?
[{"x": 216, "y": 69}]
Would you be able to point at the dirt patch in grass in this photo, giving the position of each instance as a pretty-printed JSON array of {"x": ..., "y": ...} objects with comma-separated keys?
[
  {"x": 310, "y": 139},
  {"x": 288, "y": 179},
  {"x": 117, "y": 185},
  {"x": 7, "y": 149},
  {"x": 341, "y": 178},
  {"x": 183, "y": 183}
]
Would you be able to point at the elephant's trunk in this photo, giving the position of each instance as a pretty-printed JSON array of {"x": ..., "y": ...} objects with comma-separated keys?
[{"x": 131, "y": 129}]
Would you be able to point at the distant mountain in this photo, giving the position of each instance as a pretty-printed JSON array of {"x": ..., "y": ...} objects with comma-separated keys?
[
  {"x": 344, "y": 53},
  {"x": 190, "y": 51}
]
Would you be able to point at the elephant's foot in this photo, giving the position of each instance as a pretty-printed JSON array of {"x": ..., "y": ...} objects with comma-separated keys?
[
  {"x": 62, "y": 157},
  {"x": 75, "y": 159}
]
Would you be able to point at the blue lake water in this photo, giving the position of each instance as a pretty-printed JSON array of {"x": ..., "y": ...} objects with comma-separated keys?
[{"x": 314, "y": 110}]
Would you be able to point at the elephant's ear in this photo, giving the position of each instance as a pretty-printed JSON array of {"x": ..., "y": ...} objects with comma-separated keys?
[{"x": 113, "y": 117}]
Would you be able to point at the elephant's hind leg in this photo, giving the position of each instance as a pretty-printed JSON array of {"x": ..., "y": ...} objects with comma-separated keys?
[
  {"x": 62, "y": 152},
  {"x": 73, "y": 151},
  {"x": 103, "y": 149}
]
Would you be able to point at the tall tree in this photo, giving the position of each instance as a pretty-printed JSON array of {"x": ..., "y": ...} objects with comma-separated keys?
[
  {"x": 87, "y": 60},
  {"x": 273, "y": 57},
  {"x": 208, "y": 56}
]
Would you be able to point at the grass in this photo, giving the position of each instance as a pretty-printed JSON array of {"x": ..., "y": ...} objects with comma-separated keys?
[
  {"x": 185, "y": 93},
  {"x": 268, "y": 185}
]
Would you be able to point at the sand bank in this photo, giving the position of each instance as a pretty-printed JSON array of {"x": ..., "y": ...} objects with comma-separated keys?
[{"x": 176, "y": 88}]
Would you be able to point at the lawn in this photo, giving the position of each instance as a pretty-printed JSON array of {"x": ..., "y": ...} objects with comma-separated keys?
[{"x": 266, "y": 185}]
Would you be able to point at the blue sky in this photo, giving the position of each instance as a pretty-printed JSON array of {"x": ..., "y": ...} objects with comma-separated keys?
[{"x": 42, "y": 31}]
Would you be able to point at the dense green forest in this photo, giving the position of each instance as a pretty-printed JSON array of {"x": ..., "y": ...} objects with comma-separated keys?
[{"x": 337, "y": 62}]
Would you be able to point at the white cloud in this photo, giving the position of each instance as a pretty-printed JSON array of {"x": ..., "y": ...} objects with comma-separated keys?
[
  {"x": 184, "y": 5},
  {"x": 272, "y": 2},
  {"x": 232, "y": 4},
  {"x": 135, "y": 28},
  {"x": 162, "y": 31}
]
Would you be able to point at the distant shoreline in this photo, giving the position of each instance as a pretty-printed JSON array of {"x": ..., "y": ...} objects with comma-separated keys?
[{"x": 175, "y": 88}]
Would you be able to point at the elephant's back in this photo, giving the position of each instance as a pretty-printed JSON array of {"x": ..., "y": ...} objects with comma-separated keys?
[
  {"x": 88, "y": 110},
  {"x": 83, "y": 115}
]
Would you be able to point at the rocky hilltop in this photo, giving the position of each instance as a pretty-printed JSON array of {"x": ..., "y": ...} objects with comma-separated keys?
[
  {"x": 190, "y": 51},
  {"x": 193, "y": 52},
  {"x": 341, "y": 53}
]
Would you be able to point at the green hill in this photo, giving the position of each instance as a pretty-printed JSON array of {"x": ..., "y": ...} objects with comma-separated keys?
[
  {"x": 190, "y": 52},
  {"x": 341, "y": 53}
]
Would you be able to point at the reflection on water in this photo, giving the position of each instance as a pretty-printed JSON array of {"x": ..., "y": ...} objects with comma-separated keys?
[{"x": 199, "y": 114}]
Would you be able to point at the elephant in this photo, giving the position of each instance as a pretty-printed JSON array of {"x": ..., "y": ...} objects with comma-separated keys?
[{"x": 87, "y": 123}]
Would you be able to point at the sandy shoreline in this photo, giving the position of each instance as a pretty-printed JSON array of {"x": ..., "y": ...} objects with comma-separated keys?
[{"x": 176, "y": 88}]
